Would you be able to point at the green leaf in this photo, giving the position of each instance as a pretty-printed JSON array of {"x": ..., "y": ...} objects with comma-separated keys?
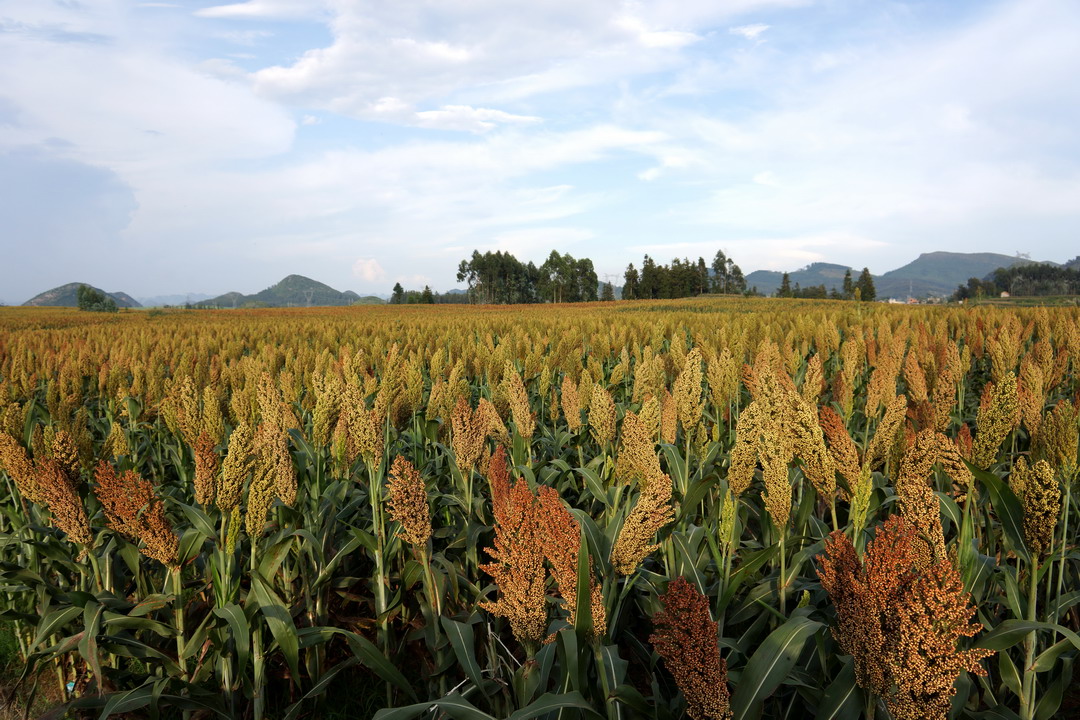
[
  {"x": 233, "y": 614},
  {"x": 843, "y": 699},
  {"x": 52, "y": 622},
  {"x": 771, "y": 663},
  {"x": 594, "y": 485},
  {"x": 1048, "y": 658},
  {"x": 1010, "y": 632},
  {"x": 583, "y": 619},
  {"x": 1010, "y": 676},
  {"x": 549, "y": 701},
  {"x": 463, "y": 641},
  {"x": 1008, "y": 508},
  {"x": 751, "y": 565},
  {"x": 281, "y": 624},
  {"x": 453, "y": 705}
]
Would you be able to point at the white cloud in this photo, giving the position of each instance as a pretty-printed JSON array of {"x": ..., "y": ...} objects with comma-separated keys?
[
  {"x": 368, "y": 270},
  {"x": 750, "y": 32},
  {"x": 310, "y": 120},
  {"x": 469, "y": 119}
]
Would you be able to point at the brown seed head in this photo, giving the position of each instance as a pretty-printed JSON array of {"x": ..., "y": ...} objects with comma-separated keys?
[
  {"x": 17, "y": 464},
  {"x": 408, "y": 502},
  {"x": 63, "y": 500},
  {"x": 133, "y": 509},
  {"x": 207, "y": 464},
  {"x": 686, "y": 637},
  {"x": 561, "y": 536}
]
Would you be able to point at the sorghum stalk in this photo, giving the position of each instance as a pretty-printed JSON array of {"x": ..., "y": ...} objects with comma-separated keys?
[
  {"x": 1027, "y": 698},
  {"x": 257, "y": 653}
]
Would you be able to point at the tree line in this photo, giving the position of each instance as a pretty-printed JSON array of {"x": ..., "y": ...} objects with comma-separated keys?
[
  {"x": 861, "y": 289},
  {"x": 683, "y": 278},
  {"x": 1027, "y": 280},
  {"x": 500, "y": 278}
]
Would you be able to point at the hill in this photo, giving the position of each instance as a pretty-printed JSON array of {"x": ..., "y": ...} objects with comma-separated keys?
[
  {"x": 68, "y": 296},
  {"x": 820, "y": 273},
  {"x": 938, "y": 273},
  {"x": 292, "y": 291}
]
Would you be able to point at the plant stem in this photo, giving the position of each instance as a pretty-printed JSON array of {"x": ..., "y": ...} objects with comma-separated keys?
[{"x": 1027, "y": 699}]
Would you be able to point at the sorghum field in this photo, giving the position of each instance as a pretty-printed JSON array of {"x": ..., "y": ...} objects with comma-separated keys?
[{"x": 704, "y": 508}]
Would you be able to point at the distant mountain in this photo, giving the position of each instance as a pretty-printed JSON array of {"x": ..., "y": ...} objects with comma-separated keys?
[
  {"x": 939, "y": 273},
  {"x": 293, "y": 291},
  {"x": 1073, "y": 264},
  {"x": 160, "y": 300},
  {"x": 68, "y": 296},
  {"x": 814, "y": 274}
]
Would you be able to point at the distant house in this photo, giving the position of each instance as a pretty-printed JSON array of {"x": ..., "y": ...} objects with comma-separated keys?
[{"x": 1004, "y": 293}]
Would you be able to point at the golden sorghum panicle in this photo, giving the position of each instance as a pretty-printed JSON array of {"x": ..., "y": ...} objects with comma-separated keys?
[
  {"x": 650, "y": 416},
  {"x": 845, "y": 455},
  {"x": 408, "y": 502},
  {"x": 524, "y": 420},
  {"x": 723, "y": 375},
  {"x": 900, "y": 624},
  {"x": 469, "y": 434},
  {"x": 212, "y": 422},
  {"x": 882, "y": 384},
  {"x": 17, "y": 464},
  {"x": 917, "y": 499},
  {"x": 813, "y": 381},
  {"x": 1040, "y": 494},
  {"x": 638, "y": 449},
  {"x": 66, "y": 453},
  {"x": 915, "y": 378},
  {"x": 59, "y": 493},
  {"x": 561, "y": 536},
  {"x": 436, "y": 409},
  {"x": 743, "y": 457},
  {"x": 1030, "y": 393},
  {"x": 238, "y": 464},
  {"x": 602, "y": 416},
  {"x": 885, "y": 433},
  {"x": 493, "y": 424},
  {"x": 669, "y": 419},
  {"x": 518, "y": 558},
  {"x": 1059, "y": 434},
  {"x": 260, "y": 490},
  {"x": 280, "y": 460},
  {"x": 998, "y": 415},
  {"x": 687, "y": 392},
  {"x": 571, "y": 404},
  {"x": 132, "y": 508},
  {"x": 117, "y": 441},
  {"x": 686, "y": 637},
  {"x": 328, "y": 391},
  {"x": 652, "y": 512},
  {"x": 207, "y": 464},
  {"x": 808, "y": 443}
]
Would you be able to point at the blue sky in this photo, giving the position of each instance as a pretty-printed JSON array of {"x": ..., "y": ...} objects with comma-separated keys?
[{"x": 173, "y": 147}]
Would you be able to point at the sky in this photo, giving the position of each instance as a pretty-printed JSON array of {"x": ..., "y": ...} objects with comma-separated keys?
[{"x": 198, "y": 147}]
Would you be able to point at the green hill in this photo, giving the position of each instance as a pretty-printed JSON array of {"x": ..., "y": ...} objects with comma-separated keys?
[
  {"x": 820, "y": 273},
  {"x": 938, "y": 273},
  {"x": 68, "y": 296},
  {"x": 292, "y": 291}
]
